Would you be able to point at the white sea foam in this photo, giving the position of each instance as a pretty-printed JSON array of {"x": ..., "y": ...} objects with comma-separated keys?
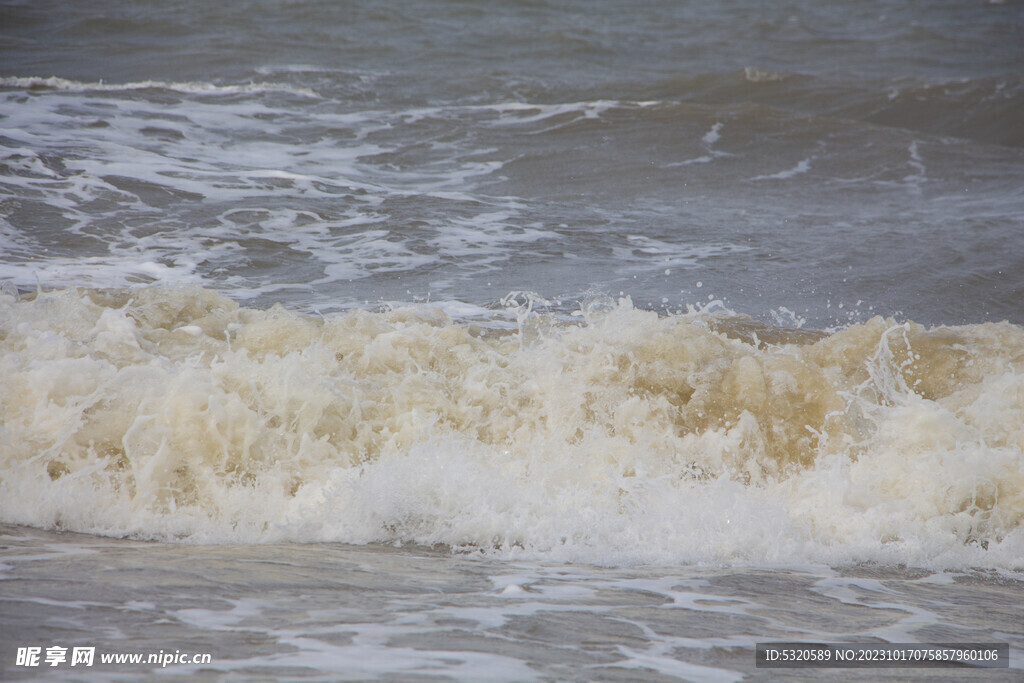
[
  {"x": 652, "y": 253},
  {"x": 713, "y": 135},
  {"x": 708, "y": 141},
  {"x": 627, "y": 439},
  {"x": 803, "y": 166},
  {"x": 189, "y": 87},
  {"x": 187, "y": 192}
]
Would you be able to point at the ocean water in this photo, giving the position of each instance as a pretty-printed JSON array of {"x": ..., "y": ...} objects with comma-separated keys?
[{"x": 509, "y": 341}]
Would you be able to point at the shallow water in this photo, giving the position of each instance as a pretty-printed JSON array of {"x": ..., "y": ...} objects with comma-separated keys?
[{"x": 342, "y": 612}]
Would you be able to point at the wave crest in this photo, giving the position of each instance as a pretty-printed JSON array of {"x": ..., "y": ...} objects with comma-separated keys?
[{"x": 629, "y": 437}]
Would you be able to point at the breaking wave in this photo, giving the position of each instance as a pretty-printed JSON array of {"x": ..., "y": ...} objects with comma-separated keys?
[{"x": 614, "y": 435}]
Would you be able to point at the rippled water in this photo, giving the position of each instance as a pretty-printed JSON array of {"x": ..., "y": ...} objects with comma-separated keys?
[
  {"x": 726, "y": 299},
  {"x": 327, "y": 154},
  {"x": 336, "y": 612}
]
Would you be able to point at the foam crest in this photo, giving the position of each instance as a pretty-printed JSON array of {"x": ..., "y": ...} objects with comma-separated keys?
[
  {"x": 189, "y": 87},
  {"x": 624, "y": 437}
]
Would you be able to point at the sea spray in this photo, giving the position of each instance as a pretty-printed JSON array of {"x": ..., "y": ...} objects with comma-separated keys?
[{"x": 614, "y": 436}]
